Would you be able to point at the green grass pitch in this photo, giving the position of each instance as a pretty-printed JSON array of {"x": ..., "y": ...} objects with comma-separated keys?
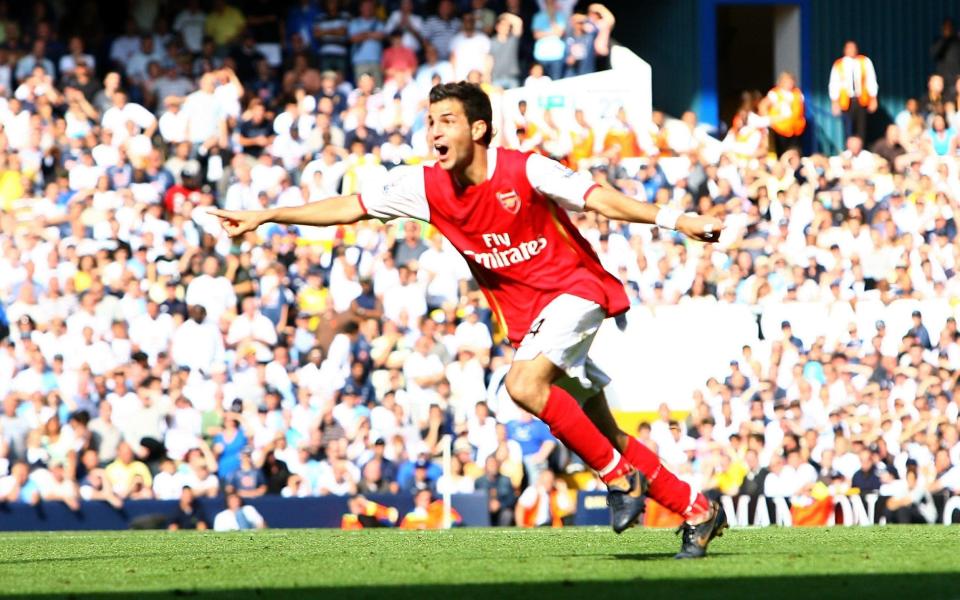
[{"x": 916, "y": 563}]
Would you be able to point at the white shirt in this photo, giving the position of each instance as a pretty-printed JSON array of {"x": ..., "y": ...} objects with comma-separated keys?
[
  {"x": 328, "y": 482},
  {"x": 124, "y": 47},
  {"x": 84, "y": 177},
  {"x": 197, "y": 346},
  {"x": 400, "y": 299},
  {"x": 115, "y": 119},
  {"x": 794, "y": 480},
  {"x": 173, "y": 126},
  {"x": 167, "y": 486},
  {"x": 215, "y": 294},
  {"x": 203, "y": 114},
  {"x": 152, "y": 335},
  {"x": 227, "y": 520},
  {"x": 417, "y": 365},
  {"x": 240, "y": 196},
  {"x": 338, "y": 358},
  {"x": 847, "y": 76},
  {"x": 68, "y": 63},
  {"x": 466, "y": 386},
  {"x": 440, "y": 271},
  {"x": 847, "y": 464},
  {"x": 473, "y": 335},
  {"x": 190, "y": 26},
  {"x": 469, "y": 53},
  {"x": 258, "y": 327},
  {"x": 416, "y": 22}
]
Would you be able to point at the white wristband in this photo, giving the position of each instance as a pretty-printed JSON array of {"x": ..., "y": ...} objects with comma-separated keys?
[{"x": 667, "y": 217}]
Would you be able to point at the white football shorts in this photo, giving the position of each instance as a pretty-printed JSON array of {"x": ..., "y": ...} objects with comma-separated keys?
[{"x": 563, "y": 332}]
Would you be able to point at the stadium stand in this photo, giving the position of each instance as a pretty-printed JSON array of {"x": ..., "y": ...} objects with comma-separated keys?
[{"x": 143, "y": 351}]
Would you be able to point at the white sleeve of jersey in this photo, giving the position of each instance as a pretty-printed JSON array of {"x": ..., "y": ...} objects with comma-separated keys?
[
  {"x": 564, "y": 186},
  {"x": 401, "y": 193}
]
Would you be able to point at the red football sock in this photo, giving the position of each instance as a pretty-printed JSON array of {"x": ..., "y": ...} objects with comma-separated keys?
[
  {"x": 668, "y": 490},
  {"x": 571, "y": 426}
]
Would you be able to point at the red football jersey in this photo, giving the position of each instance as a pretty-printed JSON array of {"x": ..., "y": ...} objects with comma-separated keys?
[{"x": 512, "y": 230}]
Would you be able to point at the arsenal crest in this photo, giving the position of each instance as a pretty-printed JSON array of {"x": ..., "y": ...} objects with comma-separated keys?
[{"x": 509, "y": 200}]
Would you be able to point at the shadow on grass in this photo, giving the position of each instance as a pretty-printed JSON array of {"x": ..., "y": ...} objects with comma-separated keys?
[
  {"x": 102, "y": 557},
  {"x": 929, "y": 586}
]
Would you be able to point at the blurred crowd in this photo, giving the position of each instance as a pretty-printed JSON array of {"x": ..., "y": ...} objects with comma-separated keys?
[{"x": 144, "y": 353}]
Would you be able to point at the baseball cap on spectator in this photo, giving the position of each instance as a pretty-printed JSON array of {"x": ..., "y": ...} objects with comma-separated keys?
[
  {"x": 462, "y": 445},
  {"x": 191, "y": 169}
]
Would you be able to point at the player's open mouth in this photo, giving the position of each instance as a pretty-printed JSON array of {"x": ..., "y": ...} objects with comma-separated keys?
[{"x": 441, "y": 150}]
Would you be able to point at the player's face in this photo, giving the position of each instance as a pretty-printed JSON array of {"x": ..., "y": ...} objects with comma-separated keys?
[{"x": 449, "y": 134}]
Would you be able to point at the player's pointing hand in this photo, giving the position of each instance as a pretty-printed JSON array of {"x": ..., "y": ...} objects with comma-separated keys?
[
  {"x": 703, "y": 229},
  {"x": 239, "y": 222}
]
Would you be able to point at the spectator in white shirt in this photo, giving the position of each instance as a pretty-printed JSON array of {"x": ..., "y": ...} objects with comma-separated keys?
[
  {"x": 797, "y": 476},
  {"x": 124, "y": 46},
  {"x": 121, "y": 113},
  {"x": 197, "y": 344},
  {"x": 189, "y": 23},
  {"x": 173, "y": 121},
  {"x": 252, "y": 328},
  {"x": 136, "y": 67},
  {"x": 212, "y": 291},
  {"x": 423, "y": 369},
  {"x": 473, "y": 334},
  {"x": 241, "y": 195},
  {"x": 167, "y": 484},
  {"x": 469, "y": 49},
  {"x": 339, "y": 478},
  {"x": 36, "y": 58},
  {"x": 68, "y": 62},
  {"x": 440, "y": 270},
  {"x": 405, "y": 303},
  {"x": 409, "y": 23},
  {"x": 238, "y": 516},
  {"x": 151, "y": 331},
  {"x": 206, "y": 118}
]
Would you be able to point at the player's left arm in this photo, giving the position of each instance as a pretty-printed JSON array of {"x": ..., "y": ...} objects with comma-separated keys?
[
  {"x": 615, "y": 205},
  {"x": 578, "y": 192}
]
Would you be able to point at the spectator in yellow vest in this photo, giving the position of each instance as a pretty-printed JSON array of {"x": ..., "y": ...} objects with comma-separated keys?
[
  {"x": 784, "y": 106},
  {"x": 853, "y": 90}
]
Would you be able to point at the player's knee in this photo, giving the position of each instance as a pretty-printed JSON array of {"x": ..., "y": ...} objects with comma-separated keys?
[{"x": 529, "y": 393}]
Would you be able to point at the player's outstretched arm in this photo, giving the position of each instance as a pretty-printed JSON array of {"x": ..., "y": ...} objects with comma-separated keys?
[
  {"x": 340, "y": 210},
  {"x": 615, "y": 205}
]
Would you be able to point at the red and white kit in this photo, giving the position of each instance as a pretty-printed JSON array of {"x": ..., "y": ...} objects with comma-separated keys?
[{"x": 541, "y": 277}]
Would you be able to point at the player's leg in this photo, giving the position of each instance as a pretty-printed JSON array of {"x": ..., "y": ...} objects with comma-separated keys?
[
  {"x": 530, "y": 384},
  {"x": 556, "y": 347},
  {"x": 703, "y": 520},
  {"x": 673, "y": 493}
]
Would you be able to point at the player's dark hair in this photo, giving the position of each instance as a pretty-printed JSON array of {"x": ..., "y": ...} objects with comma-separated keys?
[{"x": 476, "y": 103}]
